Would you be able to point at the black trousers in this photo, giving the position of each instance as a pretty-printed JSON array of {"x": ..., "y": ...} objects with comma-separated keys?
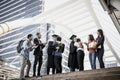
[
  {"x": 100, "y": 54},
  {"x": 38, "y": 60},
  {"x": 58, "y": 66},
  {"x": 50, "y": 64},
  {"x": 72, "y": 69},
  {"x": 48, "y": 70},
  {"x": 80, "y": 59}
]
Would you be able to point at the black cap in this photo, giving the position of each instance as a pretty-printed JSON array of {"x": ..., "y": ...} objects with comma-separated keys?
[
  {"x": 54, "y": 35},
  {"x": 73, "y": 36},
  {"x": 59, "y": 38},
  {"x": 78, "y": 40}
]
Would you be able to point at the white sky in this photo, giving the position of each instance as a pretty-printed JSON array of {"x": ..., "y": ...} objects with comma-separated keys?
[{"x": 51, "y": 4}]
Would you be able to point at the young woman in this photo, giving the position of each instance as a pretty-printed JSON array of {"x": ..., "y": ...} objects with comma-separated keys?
[
  {"x": 100, "y": 47},
  {"x": 92, "y": 51},
  {"x": 80, "y": 55}
]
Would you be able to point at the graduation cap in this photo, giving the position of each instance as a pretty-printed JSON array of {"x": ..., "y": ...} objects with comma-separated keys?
[
  {"x": 78, "y": 40},
  {"x": 73, "y": 36},
  {"x": 54, "y": 35}
]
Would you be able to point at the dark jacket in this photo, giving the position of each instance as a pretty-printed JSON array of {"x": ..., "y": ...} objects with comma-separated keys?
[
  {"x": 50, "y": 50},
  {"x": 72, "y": 60},
  {"x": 38, "y": 50},
  {"x": 100, "y": 42},
  {"x": 60, "y": 50}
]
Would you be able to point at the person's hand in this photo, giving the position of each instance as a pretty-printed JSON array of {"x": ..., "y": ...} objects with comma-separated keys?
[
  {"x": 82, "y": 42},
  {"x": 80, "y": 46},
  {"x": 57, "y": 48},
  {"x": 34, "y": 46},
  {"x": 85, "y": 43},
  {"x": 45, "y": 43},
  {"x": 30, "y": 46}
]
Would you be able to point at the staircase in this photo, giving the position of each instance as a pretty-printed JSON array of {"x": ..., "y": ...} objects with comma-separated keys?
[
  {"x": 115, "y": 16},
  {"x": 113, "y": 9},
  {"x": 100, "y": 74}
]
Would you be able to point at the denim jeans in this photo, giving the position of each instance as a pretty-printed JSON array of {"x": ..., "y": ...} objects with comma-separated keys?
[
  {"x": 92, "y": 57},
  {"x": 100, "y": 53}
]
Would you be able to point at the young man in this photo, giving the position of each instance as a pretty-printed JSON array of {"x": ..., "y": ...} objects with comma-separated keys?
[
  {"x": 51, "y": 51},
  {"x": 27, "y": 47},
  {"x": 38, "y": 53},
  {"x": 58, "y": 55}
]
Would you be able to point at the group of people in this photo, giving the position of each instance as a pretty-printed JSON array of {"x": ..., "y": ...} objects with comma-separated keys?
[
  {"x": 95, "y": 48},
  {"x": 55, "y": 48}
]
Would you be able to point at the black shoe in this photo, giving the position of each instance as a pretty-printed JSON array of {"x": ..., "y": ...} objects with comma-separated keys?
[
  {"x": 39, "y": 76},
  {"x": 34, "y": 75},
  {"x": 22, "y": 79},
  {"x": 27, "y": 76}
]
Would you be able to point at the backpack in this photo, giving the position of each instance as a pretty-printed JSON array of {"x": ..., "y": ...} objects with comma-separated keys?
[{"x": 19, "y": 46}]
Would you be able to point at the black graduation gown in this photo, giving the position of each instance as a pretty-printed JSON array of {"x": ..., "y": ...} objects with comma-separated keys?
[
  {"x": 72, "y": 59},
  {"x": 50, "y": 50}
]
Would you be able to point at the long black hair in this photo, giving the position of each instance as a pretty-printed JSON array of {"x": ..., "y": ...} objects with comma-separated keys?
[
  {"x": 100, "y": 31},
  {"x": 91, "y": 37}
]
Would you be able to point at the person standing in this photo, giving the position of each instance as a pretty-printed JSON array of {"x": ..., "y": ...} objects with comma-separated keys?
[
  {"x": 100, "y": 47},
  {"x": 91, "y": 46},
  {"x": 58, "y": 55},
  {"x": 26, "y": 48},
  {"x": 80, "y": 55},
  {"x": 51, "y": 51},
  {"x": 38, "y": 53},
  {"x": 72, "y": 59}
]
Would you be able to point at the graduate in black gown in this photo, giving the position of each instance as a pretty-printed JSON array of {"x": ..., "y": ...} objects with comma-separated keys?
[
  {"x": 72, "y": 59},
  {"x": 51, "y": 50}
]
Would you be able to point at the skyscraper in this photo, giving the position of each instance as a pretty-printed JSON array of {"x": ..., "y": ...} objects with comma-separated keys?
[{"x": 11, "y": 10}]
